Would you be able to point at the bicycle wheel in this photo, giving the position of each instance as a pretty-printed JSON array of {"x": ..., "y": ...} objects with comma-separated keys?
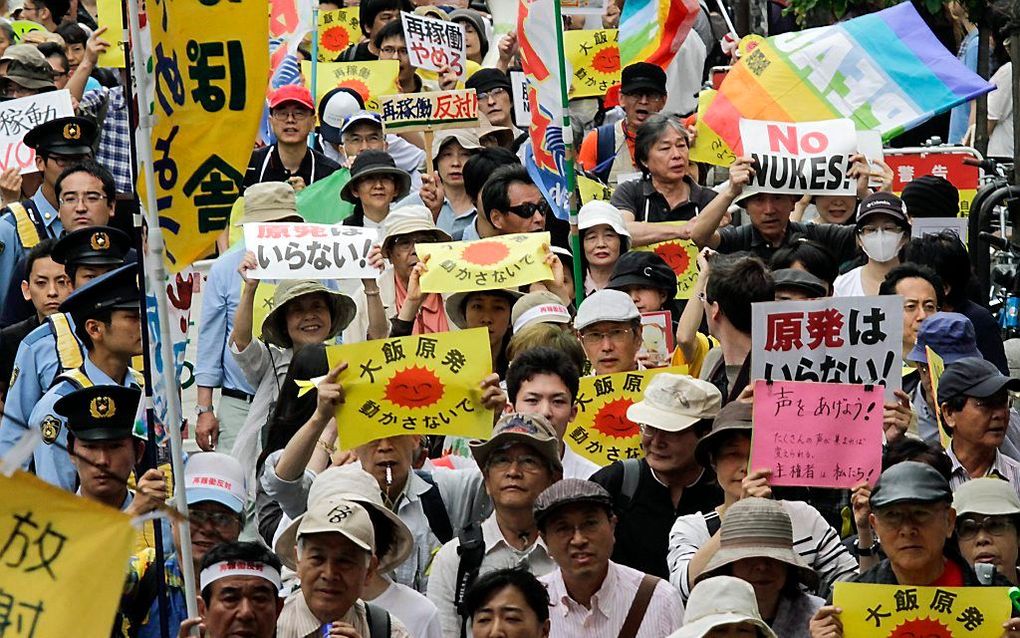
[{"x": 995, "y": 210}]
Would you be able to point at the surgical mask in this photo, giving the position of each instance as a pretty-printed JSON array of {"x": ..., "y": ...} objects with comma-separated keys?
[{"x": 882, "y": 245}]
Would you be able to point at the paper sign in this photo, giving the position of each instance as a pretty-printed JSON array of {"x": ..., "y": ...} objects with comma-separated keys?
[
  {"x": 262, "y": 306},
  {"x": 583, "y": 7},
  {"x": 899, "y": 611},
  {"x": 62, "y": 561},
  {"x": 435, "y": 110},
  {"x": 657, "y": 336},
  {"x": 708, "y": 146},
  {"x": 801, "y": 157},
  {"x": 682, "y": 256},
  {"x": 601, "y": 431},
  {"x": 310, "y": 251},
  {"x": 921, "y": 226},
  {"x": 505, "y": 261},
  {"x": 434, "y": 44},
  {"x": 522, "y": 107},
  {"x": 817, "y": 434},
  {"x": 425, "y": 384},
  {"x": 21, "y": 27},
  {"x": 18, "y": 117},
  {"x": 338, "y": 30},
  {"x": 591, "y": 190},
  {"x": 908, "y": 165},
  {"x": 111, "y": 16},
  {"x": 370, "y": 79},
  {"x": 595, "y": 59},
  {"x": 936, "y": 366},
  {"x": 832, "y": 340}
]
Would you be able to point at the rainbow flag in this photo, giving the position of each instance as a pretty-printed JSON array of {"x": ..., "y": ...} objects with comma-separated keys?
[
  {"x": 886, "y": 71},
  {"x": 653, "y": 30}
]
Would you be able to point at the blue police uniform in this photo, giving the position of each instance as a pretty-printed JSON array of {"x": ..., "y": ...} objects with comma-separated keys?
[
  {"x": 44, "y": 223},
  {"x": 215, "y": 367}
]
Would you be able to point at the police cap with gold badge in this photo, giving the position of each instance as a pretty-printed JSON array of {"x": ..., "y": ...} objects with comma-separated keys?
[
  {"x": 63, "y": 136},
  {"x": 117, "y": 289},
  {"x": 100, "y": 412},
  {"x": 92, "y": 246}
]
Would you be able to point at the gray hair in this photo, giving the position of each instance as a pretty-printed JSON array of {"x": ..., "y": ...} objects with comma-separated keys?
[{"x": 649, "y": 133}]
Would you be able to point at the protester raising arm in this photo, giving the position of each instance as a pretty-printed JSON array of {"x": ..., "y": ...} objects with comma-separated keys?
[
  {"x": 704, "y": 229},
  {"x": 694, "y": 312},
  {"x": 95, "y": 46},
  {"x": 296, "y": 456},
  {"x": 241, "y": 336}
]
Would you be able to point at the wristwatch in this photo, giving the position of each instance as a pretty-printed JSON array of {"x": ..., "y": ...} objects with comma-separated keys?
[
  {"x": 865, "y": 551},
  {"x": 203, "y": 409}
]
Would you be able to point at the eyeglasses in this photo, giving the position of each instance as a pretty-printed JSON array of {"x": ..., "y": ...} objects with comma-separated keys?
[
  {"x": 297, "y": 116},
  {"x": 406, "y": 242},
  {"x": 528, "y": 209},
  {"x": 526, "y": 462},
  {"x": 617, "y": 335},
  {"x": 492, "y": 93},
  {"x": 394, "y": 51},
  {"x": 968, "y": 528},
  {"x": 90, "y": 198},
  {"x": 218, "y": 519}
]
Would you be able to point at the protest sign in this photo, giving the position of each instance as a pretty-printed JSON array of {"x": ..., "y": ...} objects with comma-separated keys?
[
  {"x": 909, "y": 164},
  {"x": 708, "y": 147},
  {"x": 338, "y": 30},
  {"x": 62, "y": 561},
  {"x": 936, "y": 366},
  {"x": 18, "y": 117},
  {"x": 310, "y": 251},
  {"x": 263, "y": 305},
  {"x": 210, "y": 63},
  {"x": 434, "y": 44},
  {"x": 595, "y": 60},
  {"x": 425, "y": 384},
  {"x": 681, "y": 255},
  {"x": 921, "y": 226},
  {"x": 817, "y": 434},
  {"x": 583, "y": 7},
  {"x": 657, "y": 337},
  {"x": 430, "y": 111},
  {"x": 799, "y": 158},
  {"x": 901, "y": 611},
  {"x": 522, "y": 107},
  {"x": 371, "y": 80},
  {"x": 111, "y": 16},
  {"x": 505, "y": 261},
  {"x": 21, "y": 27},
  {"x": 589, "y": 190},
  {"x": 601, "y": 431},
  {"x": 832, "y": 340}
]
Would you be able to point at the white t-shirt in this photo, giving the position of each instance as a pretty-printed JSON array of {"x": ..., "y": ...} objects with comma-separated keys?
[
  {"x": 1000, "y": 109},
  {"x": 849, "y": 284},
  {"x": 415, "y": 611}
]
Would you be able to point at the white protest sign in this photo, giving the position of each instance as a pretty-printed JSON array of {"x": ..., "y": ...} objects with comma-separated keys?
[
  {"x": 522, "y": 108},
  {"x": 434, "y": 44},
  {"x": 18, "y": 117},
  {"x": 583, "y": 7},
  {"x": 800, "y": 157},
  {"x": 869, "y": 144},
  {"x": 831, "y": 340},
  {"x": 921, "y": 226},
  {"x": 310, "y": 251}
]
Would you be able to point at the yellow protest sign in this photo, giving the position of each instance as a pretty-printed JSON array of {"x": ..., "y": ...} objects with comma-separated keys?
[
  {"x": 595, "y": 58},
  {"x": 897, "y": 611},
  {"x": 62, "y": 561},
  {"x": 211, "y": 63},
  {"x": 21, "y": 27},
  {"x": 111, "y": 16},
  {"x": 262, "y": 307},
  {"x": 338, "y": 30},
  {"x": 505, "y": 261},
  {"x": 708, "y": 146},
  {"x": 371, "y": 80},
  {"x": 682, "y": 256},
  {"x": 424, "y": 384},
  {"x": 601, "y": 431},
  {"x": 590, "y": 189},
  {"x": 433, "y": 110},
  {"x": 936, "y": 366}
]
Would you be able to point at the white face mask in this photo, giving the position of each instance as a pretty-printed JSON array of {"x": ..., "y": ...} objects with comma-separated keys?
[{"x": 882, "y": 245}]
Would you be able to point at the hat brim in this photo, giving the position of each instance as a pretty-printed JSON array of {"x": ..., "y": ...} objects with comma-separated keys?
[
  {"x": 701, "y": 626},
  {"x": 66, "y": 149},
  {"x": 639, "y": 85},
  {"x": 341, "y": 311},
  {"x": 988, "y": 387},
  {"x": 265, "y": 216},
  {"x": 205, "y": 494},
  {"x": 896, "y": 214},
  {"x": 402, "y": 180},
  {"x": 455, "y": 303},
  {"x": 725, "y": 556},
  {"x": 29, "y": 82},
  {"x": 630, "y": 279},
  {"x": 642, "y": 412},
  {"x": 803, "y": 286},
  {"x": 103, "y": 434},
  {"x": 549, "y": 449},
  {"x": 703, "y": 448}
]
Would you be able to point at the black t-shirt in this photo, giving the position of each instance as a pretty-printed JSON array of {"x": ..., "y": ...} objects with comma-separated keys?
[
  {"x": 642, "y": 529},
  {"x": 265, "y": 165},
  {"x": 649, "y": 205},
  {"x": 357, "y": 53},
  {"x": 840, "y": 240},
  {"x": 989, "y": 341}
]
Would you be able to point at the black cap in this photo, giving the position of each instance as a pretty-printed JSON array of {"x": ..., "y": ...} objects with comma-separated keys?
[
  {"x": 800, "y": 279},
  {"x": 485, "y": 80},
  {"x": 117, "y": 289},
  {"x": 910, "y": 482},
  {"x": 973, "y": 377},
  {"x": 886, "y": 204},
  {"x": 931, "y": 196},
  {"x": 92, "y": 246},
  {"x": 373, "y": 162},
  {"x": 645, "y": 269},
  {"x": 63, "y": 136},
  {"x": 643, "y": 76},
  {"x": 100, "y": 412}
]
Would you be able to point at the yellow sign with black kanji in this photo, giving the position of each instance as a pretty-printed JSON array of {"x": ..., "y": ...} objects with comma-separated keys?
[
  {"x": 371, "y": 80},
  {"x": 681, "y": 255},
  {"x": 505, "y": 261},
  {"x": 591, "y": 190},
  {"x": 338, "y": 30},
  {"x": 595, "y": 58}
]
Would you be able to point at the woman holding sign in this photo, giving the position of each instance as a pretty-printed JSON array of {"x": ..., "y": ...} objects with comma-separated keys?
[{"x": 883, "y": 229}]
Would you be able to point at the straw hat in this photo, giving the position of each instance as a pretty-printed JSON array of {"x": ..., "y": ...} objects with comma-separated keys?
[
  {"x": 455, "y": 303},
  {"x": 406, "y": 220},
  {"x": 341, "y": 310}
]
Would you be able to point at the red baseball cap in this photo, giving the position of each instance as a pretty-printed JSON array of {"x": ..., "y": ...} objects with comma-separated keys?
[{"x": 291, "y": 93}]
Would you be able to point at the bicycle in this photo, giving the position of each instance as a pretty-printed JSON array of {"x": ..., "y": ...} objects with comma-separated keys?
[{"x": 994, "y": 213}]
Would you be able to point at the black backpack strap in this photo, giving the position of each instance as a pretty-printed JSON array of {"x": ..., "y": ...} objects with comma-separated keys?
[
  {"x": 713, "y": 521},
  {"x": 605, "y": 151},
  {"x": 631, "y": 478},
  {"x": 471, "y": 552},
  {"x": 435, "y": 509},
  {"x": 379, "y": 623}
]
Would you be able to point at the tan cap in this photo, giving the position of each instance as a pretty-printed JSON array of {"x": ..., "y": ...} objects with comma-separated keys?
[
  {"x": 467, "y": 139},
  {"x": 269, "y": 202},
  {"x": 675, "y": 402},
  {"x": 530, "y": 429},
  {"x": 409, "y": 219},
  {"x": 988, "y": 496},
  {"x": 541, "y": 306},
  {"x": 329, "y": 515}
]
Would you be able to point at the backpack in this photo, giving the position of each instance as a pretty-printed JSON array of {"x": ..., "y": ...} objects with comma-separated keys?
[
  {"x": 380, "y": 625},
  {"x": 471, "y": 552},
  {"x": 605, "y": 151},
  {"x": 435, "y": 509}
]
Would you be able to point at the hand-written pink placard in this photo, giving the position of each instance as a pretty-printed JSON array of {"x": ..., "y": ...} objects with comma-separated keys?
[{"x": 817, "y": 434}]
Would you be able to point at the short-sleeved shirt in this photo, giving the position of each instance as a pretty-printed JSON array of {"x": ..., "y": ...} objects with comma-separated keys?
[
  {"x": 649, "y": 205},
  {"x": 840, "y": 240},
  {"x": 265, "y": 165}
]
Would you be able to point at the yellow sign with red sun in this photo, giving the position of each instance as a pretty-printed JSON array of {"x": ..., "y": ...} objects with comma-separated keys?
[
  {"x": 338, "y": 30},
  {"x": 371, "y": 80},
  {"x": 506, "y": 261},
  {"x": 595, "y": 58},
  {"x": 423, "y": 384},
  {"x": 601, "y": 430},
  {"x": 682, "y": 256},
  {"x": 897, "y": 611}
]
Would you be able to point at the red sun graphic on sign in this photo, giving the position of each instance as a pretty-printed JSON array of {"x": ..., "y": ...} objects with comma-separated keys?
[
  {"x": 921, "y": 628},
  {"x": 606, "y": 60},
  {"x": 335, "y": 39},
  {"x": 611, "y": 419},
  {"x": 485, "y": 253},
  {"x": 358, "y": 86},
  {"x": 675, "y": 256},
  {"x": 414, "y": 387}
]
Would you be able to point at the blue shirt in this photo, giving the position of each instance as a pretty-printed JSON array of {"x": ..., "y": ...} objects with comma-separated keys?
[
  {"x": 215, "y": 367},
  {"x": 174, "y": 577},
  {"x": 959, "y": 117},
  {"x": 448, "y": 220},
  {"x": 11, "y": 249}
]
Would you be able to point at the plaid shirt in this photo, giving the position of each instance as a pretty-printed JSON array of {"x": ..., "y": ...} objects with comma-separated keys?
[{"x": 115, "y": 136}]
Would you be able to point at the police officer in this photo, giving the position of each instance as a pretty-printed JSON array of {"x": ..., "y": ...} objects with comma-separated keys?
[
  {"x": 58, "y": 144},
  {"x": 107, "y": 321},
  {"x": 53, "y": 348}
]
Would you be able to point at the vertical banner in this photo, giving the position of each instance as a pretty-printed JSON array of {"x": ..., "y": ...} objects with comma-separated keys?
[{"x": 210, "y": 65}]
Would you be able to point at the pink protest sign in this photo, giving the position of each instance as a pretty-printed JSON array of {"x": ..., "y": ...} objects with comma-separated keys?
[{"x": 817, "y": 434}]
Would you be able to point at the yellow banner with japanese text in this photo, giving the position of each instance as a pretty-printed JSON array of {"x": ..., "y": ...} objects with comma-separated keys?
[
  {"x": 210, "y": 65},
  {"x": 898, "y": 611},
  {"x": 62, "y": 561},
  {"x": 423, "y": 384},
  {"x": 505, "y": 261},
  {"x": 681, "y": 255},
  {"x": 591, "y": 190},
  {"x": 595, "y": 58},
  {"x": 601, "y": 431},
  {"x": 936, "y": 366},
  {"x": 371, "y": 80},
  {"x": 338, "y": 30}
]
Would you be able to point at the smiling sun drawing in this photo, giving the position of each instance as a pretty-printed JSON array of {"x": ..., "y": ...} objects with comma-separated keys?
[
  {"x": 414, "y": 387},
  {"x": 921, "y": 628},
  {"x": 485, "y": 253},
  {"x": 611, "y": 419}
]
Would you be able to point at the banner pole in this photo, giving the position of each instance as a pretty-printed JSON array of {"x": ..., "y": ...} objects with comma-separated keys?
[
  {"x": 568, "y": 158},
  {"x": 156, "y": 272},
  {"x": 315, "y": 65}
]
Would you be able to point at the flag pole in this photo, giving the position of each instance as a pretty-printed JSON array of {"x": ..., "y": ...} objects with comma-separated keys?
[
  {"x": 315, "y": 65},
  {"x": 156, "y": 276},
  {"x": 568, "y": 158}
]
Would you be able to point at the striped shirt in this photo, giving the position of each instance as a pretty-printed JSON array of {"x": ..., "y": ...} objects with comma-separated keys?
[{"x": 1004, "y": 468}]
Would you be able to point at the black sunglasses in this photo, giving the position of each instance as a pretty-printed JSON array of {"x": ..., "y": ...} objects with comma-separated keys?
[{"x": 528, "y": 209}]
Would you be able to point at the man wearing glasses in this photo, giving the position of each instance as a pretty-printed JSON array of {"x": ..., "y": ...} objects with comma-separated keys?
[
  {"x": 292, "y": 118},
  {"x": 609, "y": 326}
]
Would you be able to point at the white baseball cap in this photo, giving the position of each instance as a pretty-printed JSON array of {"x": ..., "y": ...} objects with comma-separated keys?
[
  {"x": 598, "y": 212},
  {"x": 606, "y": 305},
  {"x": 217, "y": 477}
]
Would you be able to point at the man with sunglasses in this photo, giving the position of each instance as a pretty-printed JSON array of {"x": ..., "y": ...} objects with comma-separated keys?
[
  {"x": 987, "y": 513},
  {"x": 512, "y": 203}
]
